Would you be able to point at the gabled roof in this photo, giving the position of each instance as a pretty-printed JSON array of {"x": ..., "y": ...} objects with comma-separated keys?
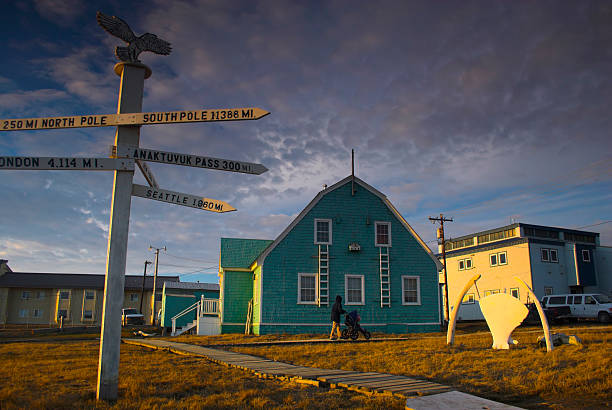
[
  {"x": 332, "y": 188},
  {"x": 34, "y": 280},
  {"x": 241, "y": 253}
]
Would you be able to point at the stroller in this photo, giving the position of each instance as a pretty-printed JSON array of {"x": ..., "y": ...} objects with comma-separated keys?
[{"x": 353, "y": 328}]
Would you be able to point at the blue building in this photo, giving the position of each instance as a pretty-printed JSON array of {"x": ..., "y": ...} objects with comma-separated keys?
[{"x": 349, "y": 241}]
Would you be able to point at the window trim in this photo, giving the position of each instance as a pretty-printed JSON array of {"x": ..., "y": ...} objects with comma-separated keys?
[
  {"x": 26, "y": 295},
  {"x": 88, "y": 318},
  {"x": 499, "y": 262},
  {"x": 588, "y": 253},
  {"x": 543, "y": 252},
  {"x": 134, "y": 297},
  {"x": 556, "y": 259},
  {"x": 329, "y": 225},
  {"x": 384, "y": 245},
  {"x": 466, "y": 263},
  {"x": 35, "y": 311},
  {"x": 461, "y": 264},
  {"x": 418, "y": 290},
  {"x": 546, "y": 288},
  {"x": 518, "y": 293},
  {"x": 346, "y": 278},
  {"x": 299, "y": 289},
  {"x": 491, "y": 255}
]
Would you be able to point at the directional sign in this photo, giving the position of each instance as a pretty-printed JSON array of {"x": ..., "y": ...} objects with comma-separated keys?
[
  {"x": 61, "y": 163},
  {"x": 179, "y": 198},
  {"x": 146, "y": 172},
  {"x": 139, "y": 118},
  {"x": 189, "y": 160}
]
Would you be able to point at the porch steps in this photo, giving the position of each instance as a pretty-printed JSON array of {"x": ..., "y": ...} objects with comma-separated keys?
[{"x": 185, "y": 328}]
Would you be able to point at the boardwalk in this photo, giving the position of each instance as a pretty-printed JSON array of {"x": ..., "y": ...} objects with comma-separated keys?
[{"x": 440, "y": 396}]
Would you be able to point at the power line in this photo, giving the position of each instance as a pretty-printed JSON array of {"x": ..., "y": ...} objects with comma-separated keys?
[
  {"x": 587, "y": 226},
  {"x": 186, "y": 258}
]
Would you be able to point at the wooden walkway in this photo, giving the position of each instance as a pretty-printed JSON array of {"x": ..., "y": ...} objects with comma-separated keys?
[{"x": 363, "y": 382}]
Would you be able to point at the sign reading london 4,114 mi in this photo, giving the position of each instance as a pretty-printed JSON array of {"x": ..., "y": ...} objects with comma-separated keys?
[
  {"x": 180, "y": 198},
  {"x": 63, "y": 163},
  {"x": 189, "y": 160},
  {"x": 139, "y": 118}
]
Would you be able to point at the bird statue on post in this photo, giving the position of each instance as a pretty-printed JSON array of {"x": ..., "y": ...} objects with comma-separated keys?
[{"x": 136, "y": 45}]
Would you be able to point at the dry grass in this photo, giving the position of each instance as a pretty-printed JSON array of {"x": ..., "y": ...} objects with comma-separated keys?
[
  {"x": 63, "y": 375},
  {"x": 526, "y": 376}
]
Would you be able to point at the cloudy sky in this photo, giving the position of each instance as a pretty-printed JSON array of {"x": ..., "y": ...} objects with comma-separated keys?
[{"x": 487, "y": 111}]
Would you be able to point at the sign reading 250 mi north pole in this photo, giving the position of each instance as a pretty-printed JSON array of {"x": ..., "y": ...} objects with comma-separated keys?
[{"x": 140, "y": 118}]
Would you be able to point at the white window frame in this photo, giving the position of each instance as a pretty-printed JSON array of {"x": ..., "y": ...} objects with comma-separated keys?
[
  {"x": 588, "y": 255},
  {"x": 470, "y": 263},
  {"x": 60, "y": 292},
  {"x": 418, "y": 289},
  {"x": 471, "y": 299},
  {"x": 548, "y": 290},
  {"x": 556, "y": 258},
  {"x": 346, "y": 278},
  {"x": 329, "y": 225},
  {"x": 461, "y": 264},
  {"x": 505, "y": 257},
  {"x": 518, "y": 295},
  {"x": 299, "y": 289},
  {"x": 491, "y": 259},
  {"x": 381, "y": 245},
  {"x": 545, "y": 254},
  {"x": 93, "y": 293}
]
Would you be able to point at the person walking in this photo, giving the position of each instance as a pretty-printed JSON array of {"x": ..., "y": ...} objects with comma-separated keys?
[{"x": 335, "y": 317}]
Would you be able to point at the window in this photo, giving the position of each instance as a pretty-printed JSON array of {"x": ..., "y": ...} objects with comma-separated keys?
[
  {"x": 465, "y": 263},
  {"x": 62, "y": 313},
  {"x": 468, "y": 299},
  {"x": 354, "y": 289},
  {"x": 548, "y": 290},
  {"x": 26, "y": 294},
  {"x": 491, "y": 292},
  {"x": 64, "y": 294},
  {"x": 36, "y": 313},
  {"x": 87, "y": 315},
  {"x": 545, "y": 255},
  {"x": 411, "y": 290},
  {"x": 23, "y": 312},
  {"x": 586, "y": 255},
  {"x": 557, "y": 300},
  {"x": 322, "y": 232},
  {"x": 589, "y": 300},
  {"x": 383, "y": 233},
  {"x": 553, "y": 255},
  {"x": 577, "y": 300},
  {"x": 307, "y": 288},
  {"x": 499, "y": 258},
  {"x": 515, "y": 292},
  {"x": 40, "y": 294},
  {"x": 133, "y": 297},
  {"x": 549, "y": 255}
]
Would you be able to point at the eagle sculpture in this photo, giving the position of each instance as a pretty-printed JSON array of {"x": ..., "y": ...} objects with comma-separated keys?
[{"x": 136, "y": 45}]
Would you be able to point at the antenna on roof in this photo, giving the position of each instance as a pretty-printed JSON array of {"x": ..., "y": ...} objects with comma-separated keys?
[{"x": 352, "y": 172}]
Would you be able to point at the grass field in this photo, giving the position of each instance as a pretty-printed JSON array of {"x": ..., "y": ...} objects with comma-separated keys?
[{"x": 62, "y": 373}]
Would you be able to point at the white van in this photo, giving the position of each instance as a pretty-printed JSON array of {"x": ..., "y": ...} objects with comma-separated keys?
[{"x": 583, "y": 305}]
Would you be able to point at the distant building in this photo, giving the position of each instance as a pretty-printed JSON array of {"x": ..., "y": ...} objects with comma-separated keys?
[
  {"x": 550, "y": 260},
  {"x": 348, "y": 241},
  {"x": 179, "y": 300},
  {"x": 41, "y": 298}
]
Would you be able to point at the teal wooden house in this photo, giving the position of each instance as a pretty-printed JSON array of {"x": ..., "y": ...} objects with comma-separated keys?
[{"x": 349, "y": 241}]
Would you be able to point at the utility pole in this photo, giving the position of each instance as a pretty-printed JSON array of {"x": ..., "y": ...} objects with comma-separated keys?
[
  {"x": 154, "y": 282},
  {"x": 144, "y": 275},
  {"x": 442, "y": 219}
]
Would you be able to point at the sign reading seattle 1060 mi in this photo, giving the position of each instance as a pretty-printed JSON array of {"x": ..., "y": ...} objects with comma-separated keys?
[
  {"x": 139, "y": 118},
  {"x": 179, "y": 198}
]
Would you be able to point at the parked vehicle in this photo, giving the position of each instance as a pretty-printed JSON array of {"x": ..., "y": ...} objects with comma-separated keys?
[
  {"x": 131, "y": 317},
  {"x": 554, "y": 314},
  {"x": 582, "y": 305}
]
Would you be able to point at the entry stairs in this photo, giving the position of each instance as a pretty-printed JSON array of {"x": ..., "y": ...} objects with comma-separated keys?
[{"x": 203, "y": 309}]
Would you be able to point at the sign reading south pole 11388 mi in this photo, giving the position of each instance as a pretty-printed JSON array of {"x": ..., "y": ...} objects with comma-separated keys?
[{"x": 140, "y": 118}]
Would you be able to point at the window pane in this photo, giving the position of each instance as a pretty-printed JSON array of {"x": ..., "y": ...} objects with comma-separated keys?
[
  {"x": 410, "y": 290},
  {"x": 353, "y": 290},
  {"x": 307, "y": 288},
  {"x": 468, "y": 264},
  {"x": 545, "y": 255},
  {"x": 461, "y": 265},
  {"x": 493, "y": 260},
  {"x": 382, "y": 234},
  {"x": 322, "y": 231},
  {"x": 553, "y": 255},
  {"x": 64, "y": 295},
  {"x": 502, "y": 258}
]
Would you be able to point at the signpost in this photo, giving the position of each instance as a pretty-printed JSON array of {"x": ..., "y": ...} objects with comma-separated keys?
[
  {"x": 180, "y": 198},
  {"x": 137, "y": 118},
  {"x": 173, "y": 158},
  {"x": 63, "y": 163},
  {"x": 128, "y": 120}
]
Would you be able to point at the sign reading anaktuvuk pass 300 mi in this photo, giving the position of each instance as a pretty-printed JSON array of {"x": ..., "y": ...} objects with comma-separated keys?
[{"x": 140, "y": 118}]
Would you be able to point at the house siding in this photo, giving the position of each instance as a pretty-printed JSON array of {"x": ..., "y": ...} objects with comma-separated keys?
[
  {"x": 237, "y": 292},
  {"x": 353, "y": 220}
]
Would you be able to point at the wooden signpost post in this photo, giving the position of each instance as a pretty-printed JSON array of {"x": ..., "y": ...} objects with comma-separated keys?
[{"x": 126, "y": 152}]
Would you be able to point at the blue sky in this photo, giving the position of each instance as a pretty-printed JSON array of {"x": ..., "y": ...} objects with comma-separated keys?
[{"x": 487, "y": 111}]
